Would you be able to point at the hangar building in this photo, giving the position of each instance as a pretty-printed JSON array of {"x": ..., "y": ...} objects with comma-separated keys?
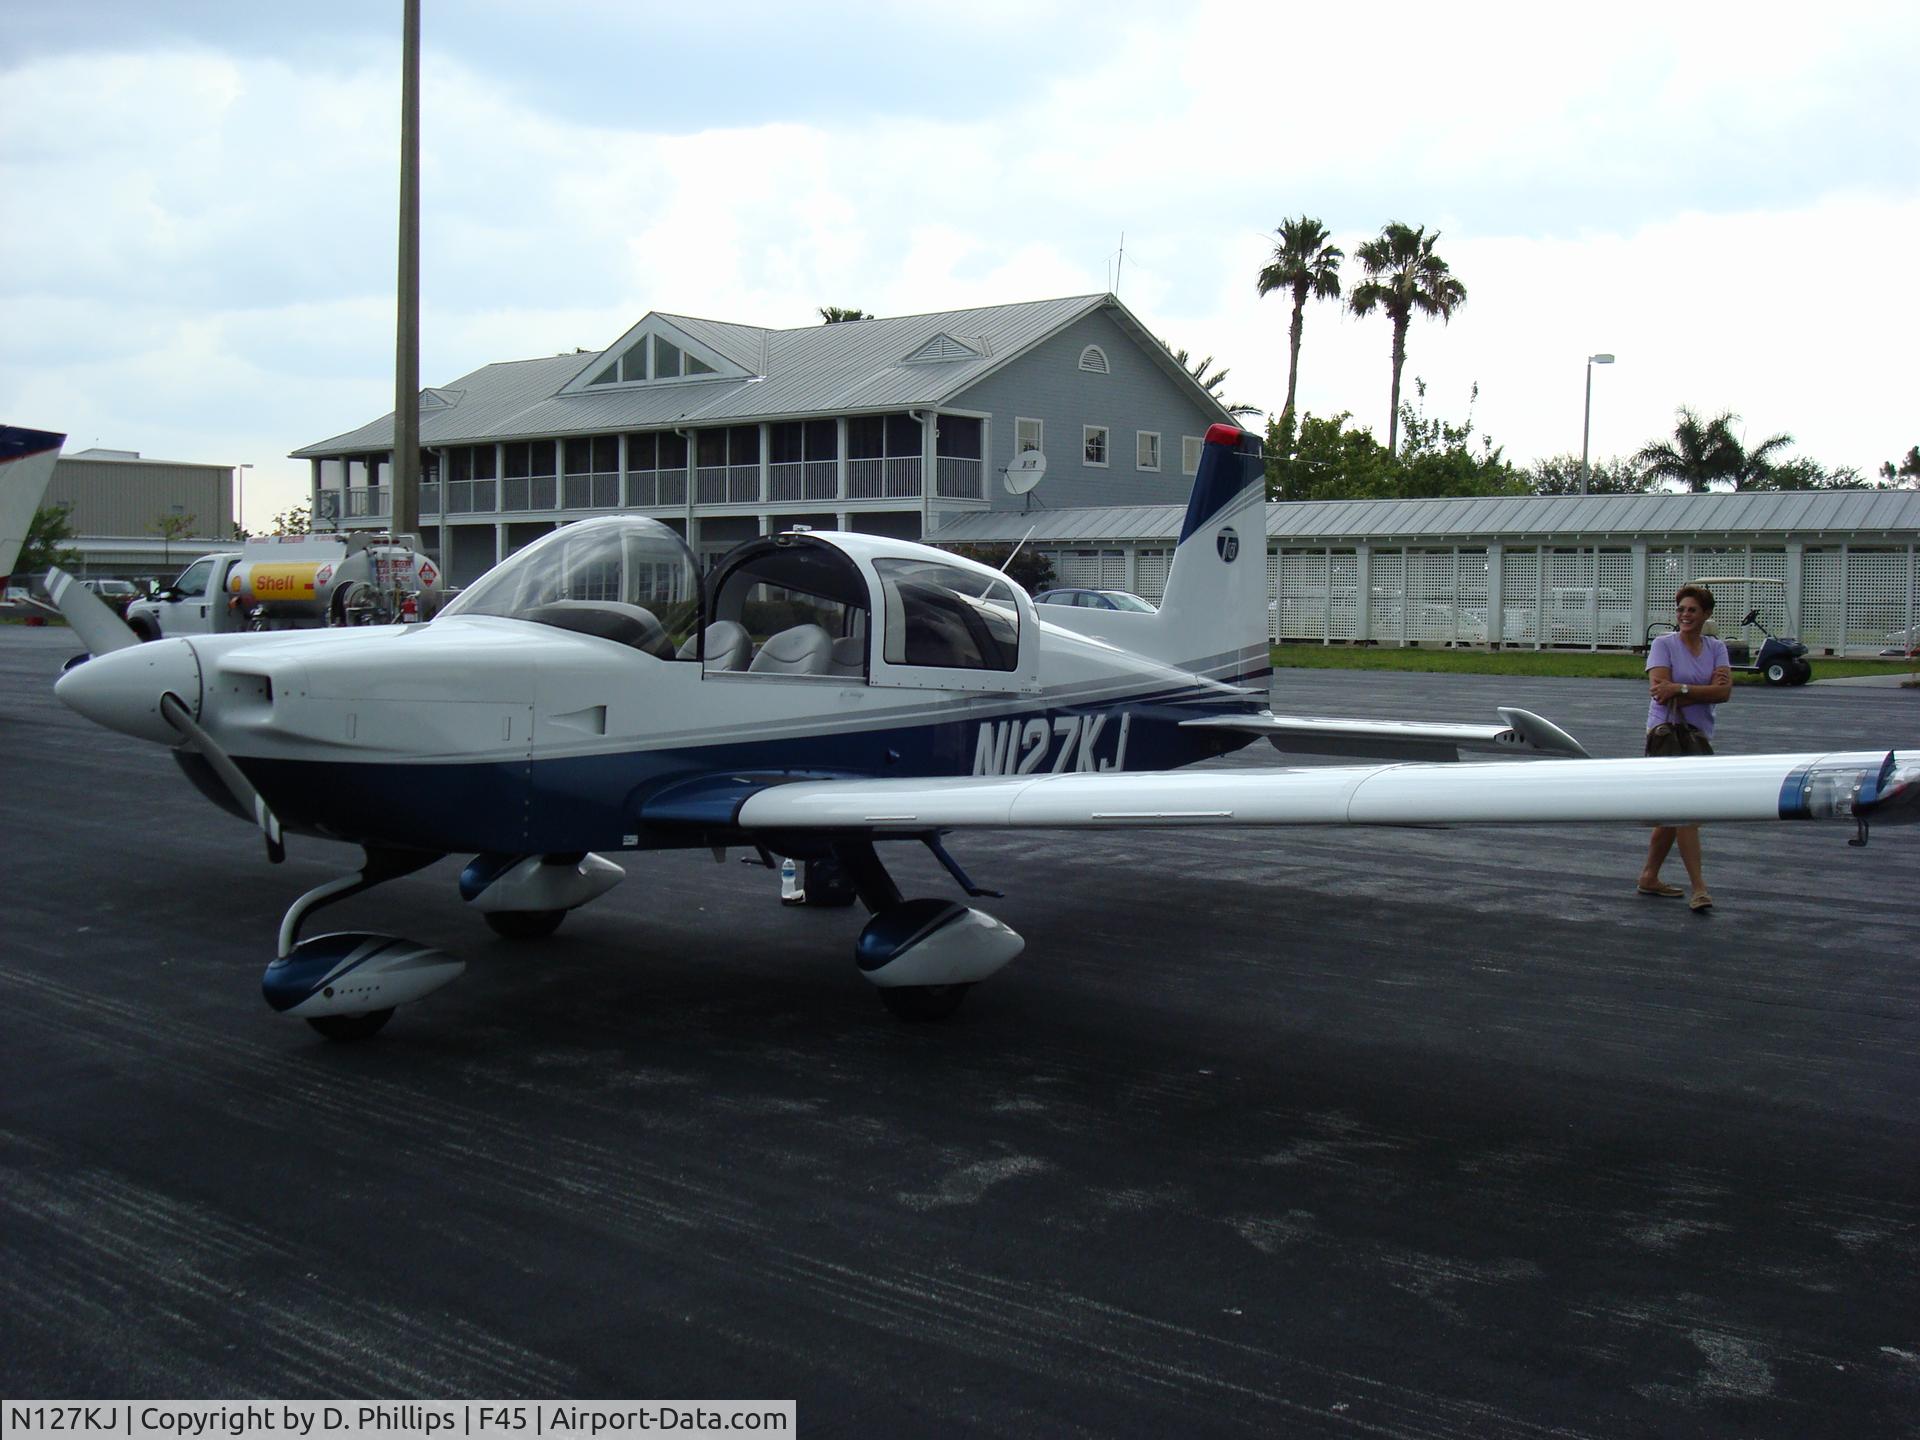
[{"x": 1592, "y": 571}]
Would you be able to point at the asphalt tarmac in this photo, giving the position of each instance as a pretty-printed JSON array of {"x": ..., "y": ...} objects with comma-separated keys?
[{"x": 1380, "y": 1133}]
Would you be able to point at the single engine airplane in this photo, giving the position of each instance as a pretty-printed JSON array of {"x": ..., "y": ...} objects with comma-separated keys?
[{"x": 820, "y": 693}]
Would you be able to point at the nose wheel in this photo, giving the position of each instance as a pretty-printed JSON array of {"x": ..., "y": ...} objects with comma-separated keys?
[
  {"x": 352, "y": 1027},
  {"x": 918, "y": 1003}
]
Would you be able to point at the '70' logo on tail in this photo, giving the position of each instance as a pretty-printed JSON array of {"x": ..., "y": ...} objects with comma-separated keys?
[{"x": 1021, "y": 747}]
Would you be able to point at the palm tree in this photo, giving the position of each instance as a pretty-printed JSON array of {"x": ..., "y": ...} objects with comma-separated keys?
[
  {"x": 1703, "y": 451},
  {"x": 1751, "y": 469},
  {"x": 1306, "y": 264},
  {"x": 1210, "y": 380},
  {"x": 1404, "y": 275},
  {"x": 841, "y": 314}
]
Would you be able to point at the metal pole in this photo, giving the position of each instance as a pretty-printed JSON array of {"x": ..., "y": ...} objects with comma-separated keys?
[
  {"x": 1586, "y": 427},
  {"x": 405, "y": 518}
]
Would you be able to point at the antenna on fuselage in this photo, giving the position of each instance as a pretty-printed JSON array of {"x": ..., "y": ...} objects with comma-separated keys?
[{"x": 1016, "y": 549}]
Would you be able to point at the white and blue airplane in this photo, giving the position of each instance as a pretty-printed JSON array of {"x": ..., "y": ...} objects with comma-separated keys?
[{"x": 818, "y": 694}]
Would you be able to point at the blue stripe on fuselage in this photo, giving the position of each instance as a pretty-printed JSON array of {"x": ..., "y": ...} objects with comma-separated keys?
[{"x": 593, "y": 802}]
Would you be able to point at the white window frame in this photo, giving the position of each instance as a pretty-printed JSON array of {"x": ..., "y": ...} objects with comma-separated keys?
[
  {"x": 1087, "y": 433},
  {"x": 1190, "y": 446},
  {"x": 1139, "y": 439},
  {"x": 1039, "y": 435}
]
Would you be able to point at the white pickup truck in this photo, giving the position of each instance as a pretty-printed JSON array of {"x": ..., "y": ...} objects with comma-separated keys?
[{"x": 294, "y": 582}]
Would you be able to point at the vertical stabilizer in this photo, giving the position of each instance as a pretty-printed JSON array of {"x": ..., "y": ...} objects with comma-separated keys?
[
  {"x": 1213, "y": 614},
  {"x": 26, "y": 464}
]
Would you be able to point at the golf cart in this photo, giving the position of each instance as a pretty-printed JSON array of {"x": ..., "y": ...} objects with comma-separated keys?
[{"x": 1780, "y": 660}]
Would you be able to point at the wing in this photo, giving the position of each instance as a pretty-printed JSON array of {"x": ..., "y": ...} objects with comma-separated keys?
[
  {"x": 1400, "y": 739},
  {"x": 1856, "y": 786}
]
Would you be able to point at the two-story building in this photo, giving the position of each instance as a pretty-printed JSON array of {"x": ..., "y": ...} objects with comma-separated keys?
[{"x": 728, "y": 431}]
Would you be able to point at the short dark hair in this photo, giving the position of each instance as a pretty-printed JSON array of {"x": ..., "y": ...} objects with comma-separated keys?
[{"x": 1698, "y": 592}]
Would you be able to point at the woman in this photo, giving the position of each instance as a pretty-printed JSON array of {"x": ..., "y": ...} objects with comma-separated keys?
[{"x": 1688, "y": 674}]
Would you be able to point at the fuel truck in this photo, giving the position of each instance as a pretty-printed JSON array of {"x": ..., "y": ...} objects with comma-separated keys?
[{"x": 295, "y": 582}]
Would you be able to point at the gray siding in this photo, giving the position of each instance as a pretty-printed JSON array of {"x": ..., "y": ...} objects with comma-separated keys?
[
  {"x": 126, "y": 497},
  {"x": 1048, "y": 384}
]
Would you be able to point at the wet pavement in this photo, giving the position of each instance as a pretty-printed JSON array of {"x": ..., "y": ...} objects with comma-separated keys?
[{"x": 1406, "y": 1133}]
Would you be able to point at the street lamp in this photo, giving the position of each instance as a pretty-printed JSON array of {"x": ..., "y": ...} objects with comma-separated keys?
[
  {"x": 1586, "y": 425},
  {"x": 240, "y": 496}
]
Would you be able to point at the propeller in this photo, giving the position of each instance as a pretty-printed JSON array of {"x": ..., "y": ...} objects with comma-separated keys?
[
  {"x": 91, "y": 617},
  {"x": 176, "y": 714}
]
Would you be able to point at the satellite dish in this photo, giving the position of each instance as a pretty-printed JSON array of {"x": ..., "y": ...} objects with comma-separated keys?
[{"x": 1025, "y": 472}]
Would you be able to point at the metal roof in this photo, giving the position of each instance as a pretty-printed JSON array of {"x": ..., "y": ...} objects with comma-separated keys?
[
  {"x": 1889, "y": 514},
  {"x": 853, "y": 366}
]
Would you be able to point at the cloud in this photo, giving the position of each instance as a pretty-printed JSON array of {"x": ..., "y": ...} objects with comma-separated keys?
[{"x": 211, "y": 253}]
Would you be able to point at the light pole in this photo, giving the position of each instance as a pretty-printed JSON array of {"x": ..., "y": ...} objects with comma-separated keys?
[
  {"x": 1586, "y": 425},
  {"x": 240, "y": 496}
]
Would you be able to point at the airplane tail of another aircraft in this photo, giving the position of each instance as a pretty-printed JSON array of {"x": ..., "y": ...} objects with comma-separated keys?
[
  {"x": 26, "y": 464},
  {"x": 1213, "y": 614}
]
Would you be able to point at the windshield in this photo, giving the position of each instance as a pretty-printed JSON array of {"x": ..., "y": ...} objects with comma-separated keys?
[{"x": 621, "y": 577}]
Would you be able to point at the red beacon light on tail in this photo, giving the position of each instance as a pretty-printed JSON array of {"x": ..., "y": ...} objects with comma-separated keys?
[{"x": 1224, "y": 434}]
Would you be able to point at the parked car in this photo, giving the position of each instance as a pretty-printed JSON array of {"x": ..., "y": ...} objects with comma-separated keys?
[
  {"x": 117, "y": 593},
  {"x": 1095, "y": 600}
]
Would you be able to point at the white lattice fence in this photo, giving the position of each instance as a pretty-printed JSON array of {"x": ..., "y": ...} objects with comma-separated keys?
[
  {"x": 1613, "y": 573},
  {"x": 1300, "y": 611},
  {"x": 1388, "y": 601},
  {"x": 1430, "y": 597},
  {"x": 1150, "y": 569},
  {"x": 1343, "y": 599},
  {"x": 1569, "y": 591},
  {"x": 1878, "y": 591},
  {"x": 1520, "y": 597},
  {"x": 1823, "y": 600}
]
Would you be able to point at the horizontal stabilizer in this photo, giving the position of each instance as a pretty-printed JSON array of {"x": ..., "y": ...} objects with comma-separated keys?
[{"x": 1524, "y": 734}]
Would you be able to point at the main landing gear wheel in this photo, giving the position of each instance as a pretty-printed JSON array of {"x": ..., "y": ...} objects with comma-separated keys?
[
  {"x": 352, "y": 1027},
  {"x": 828, "y": 885},
  {"x": 525, "y": 924},
  {"x": 923, "y": 1002}
]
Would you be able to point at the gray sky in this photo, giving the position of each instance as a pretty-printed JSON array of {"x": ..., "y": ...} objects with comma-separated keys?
[{"x": 197, "y": 259}]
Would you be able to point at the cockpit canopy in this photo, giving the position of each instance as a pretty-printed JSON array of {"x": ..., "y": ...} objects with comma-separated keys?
[
  {"x": 833, "y": 606},
  {"x": 621, "y": 577}
]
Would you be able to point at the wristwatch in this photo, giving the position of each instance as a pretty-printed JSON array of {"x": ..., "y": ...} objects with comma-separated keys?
[{"x": 1686, "y": 689}]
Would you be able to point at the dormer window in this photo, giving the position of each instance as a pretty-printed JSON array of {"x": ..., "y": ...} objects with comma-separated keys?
[{"x": 653, "y": 357}]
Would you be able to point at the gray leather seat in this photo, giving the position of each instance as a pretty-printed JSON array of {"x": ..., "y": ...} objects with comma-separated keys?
[
  {"x": 728, "y": 646},
  {"x": 803, "y": 650},
  {"x": 849, "y": 656}
]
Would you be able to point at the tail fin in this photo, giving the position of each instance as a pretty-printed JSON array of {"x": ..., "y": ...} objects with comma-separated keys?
[{"x": 1213, "y": 613}]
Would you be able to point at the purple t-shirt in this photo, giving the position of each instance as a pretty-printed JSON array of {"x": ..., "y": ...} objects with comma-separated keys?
[{"x": 1686, "y": 668}]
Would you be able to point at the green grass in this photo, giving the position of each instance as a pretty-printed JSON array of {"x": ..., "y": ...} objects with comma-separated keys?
[{"x": 1605, "y": 665}]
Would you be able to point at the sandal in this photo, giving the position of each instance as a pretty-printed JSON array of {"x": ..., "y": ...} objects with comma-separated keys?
[
  {"x": 1700, "y": 903},
  {"x": 1657, "y": 888}
]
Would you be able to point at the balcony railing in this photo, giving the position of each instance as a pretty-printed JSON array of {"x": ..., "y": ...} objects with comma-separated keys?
[
  {"x": 429, "y": 497},
  {"x": 600, "y": 491},
  {"x": 803, "y": 480},
  {"x": 653, "y": 488},
  {"x": 729, "y": 484},
  {"x": 958, "y": 479},
  {"x": 529, "y": 492},
  {"x": 895, "y": 478},
  {"x": 368, "y": 504}
]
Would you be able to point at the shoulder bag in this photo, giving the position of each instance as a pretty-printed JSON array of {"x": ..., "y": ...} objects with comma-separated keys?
[{"x": 1675, "y": 736}]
